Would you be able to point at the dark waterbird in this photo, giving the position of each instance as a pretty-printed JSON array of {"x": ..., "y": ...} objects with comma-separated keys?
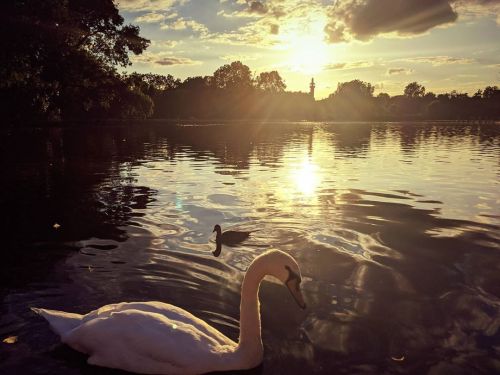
[{"x": 228, "y": 238}]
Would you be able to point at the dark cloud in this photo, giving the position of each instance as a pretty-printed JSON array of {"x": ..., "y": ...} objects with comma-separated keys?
[
  {"x": 173, "y": 61},
  {"x": 395, "y": 71},
  {"x": 364, "y": 19},
  {"x": 257, "y": 7},
  {"x": 162, "y": 58},
  {"x": 274, "y": 29},
  {"x": 335, "y": 32}
]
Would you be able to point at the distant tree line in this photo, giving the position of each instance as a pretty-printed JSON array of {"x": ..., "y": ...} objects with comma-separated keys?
[
  {"x": 354, "y": 100},
  {"x": 232, "y": 92},
  {"x": 61, "y": 58}
]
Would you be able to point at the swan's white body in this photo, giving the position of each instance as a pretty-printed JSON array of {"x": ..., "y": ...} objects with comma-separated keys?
[{"x": 159, "y": 338}]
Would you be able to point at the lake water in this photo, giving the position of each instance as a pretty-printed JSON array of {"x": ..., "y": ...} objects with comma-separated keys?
[{"x": 396, "y": 228}]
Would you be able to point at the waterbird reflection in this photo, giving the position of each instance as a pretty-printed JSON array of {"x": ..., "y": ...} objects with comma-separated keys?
[{"x": 218, "y": 249}]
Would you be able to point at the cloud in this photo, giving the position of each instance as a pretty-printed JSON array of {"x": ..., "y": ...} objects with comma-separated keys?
[
  {"x": 183, "y": 24},
  {"x": 241, "y": 57},
  {"x": 261, "y": 33},
  {"x": 165, "y": 43},
  {"x": 440, "y": 60},
  {"x": 270, "y": 22},
  {"x": 164, "y": 59},
  {"x": 147, "y": 5},
  {"x": 275, "y": 22},
  {"x": 246, "y": 9},
  {"x": 175, "y": 61},
  {"x": 261, "y": 21},
  {"x": 249, "y": 35},
  {"x": 346, "y": 20},
  {"x": 365, "y": 19},
  {"x": 150, "y": 18},
  {"x": 257, "y": 7},
  {"x": 350, "y": 65},
  {"x": 397, "y": 71},
  {"x": 471, "y": 9}
]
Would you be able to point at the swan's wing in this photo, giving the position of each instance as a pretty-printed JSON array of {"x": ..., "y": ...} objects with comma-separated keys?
[
  {"x": 146, "y": 342},
  {"x": 169, "y": 311}
]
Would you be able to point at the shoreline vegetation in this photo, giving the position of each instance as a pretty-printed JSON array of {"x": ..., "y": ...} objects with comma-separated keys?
[{"x": 61, "y": 63}]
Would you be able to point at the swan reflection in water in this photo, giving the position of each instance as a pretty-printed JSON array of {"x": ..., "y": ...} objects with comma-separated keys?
[{"x": 159, "y": 338}]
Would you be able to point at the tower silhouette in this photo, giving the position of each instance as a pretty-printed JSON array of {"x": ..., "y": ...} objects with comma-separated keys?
[{"x": 312, "y": 86}]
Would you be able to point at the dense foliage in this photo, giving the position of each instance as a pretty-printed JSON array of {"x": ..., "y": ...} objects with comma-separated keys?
[{"x": 59, "y": 60}]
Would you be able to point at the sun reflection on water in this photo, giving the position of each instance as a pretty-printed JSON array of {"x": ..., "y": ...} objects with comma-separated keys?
[{"x": 306, "y": 177}]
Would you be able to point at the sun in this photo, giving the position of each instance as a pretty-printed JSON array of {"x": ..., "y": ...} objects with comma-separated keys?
[
  {"x": 308, "y": 55},
  {"x": 304, "y": 41}
]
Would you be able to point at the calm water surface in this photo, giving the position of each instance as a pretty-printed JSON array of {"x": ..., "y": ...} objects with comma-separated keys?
[{"x": 396, "y": 228}]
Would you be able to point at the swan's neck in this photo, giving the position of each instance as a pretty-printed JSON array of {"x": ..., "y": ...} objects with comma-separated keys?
[{"x": 250, "y": 336}]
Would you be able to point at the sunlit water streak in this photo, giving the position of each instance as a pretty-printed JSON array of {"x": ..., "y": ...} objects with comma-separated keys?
[{"x": 395, "y": 226}]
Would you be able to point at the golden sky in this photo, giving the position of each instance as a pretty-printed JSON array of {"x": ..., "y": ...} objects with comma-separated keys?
[{"x": 442, "y": 44}]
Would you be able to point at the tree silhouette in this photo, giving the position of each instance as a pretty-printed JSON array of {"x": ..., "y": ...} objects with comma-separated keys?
[
  {"x": 150, "y": 83},
  {"x": 414, "y": 90},
  {"x": 355, "y": 88},
  {"x": 270, "y": 82},
  {"x": 60, "y": 57},
  {"x": 490, "y": 92},
  {"x": 196, "y": 83},
  {"x": 233, "y": 76},
  {"x": 352, "y": 100},
  {"x": 383, "y": 97}
]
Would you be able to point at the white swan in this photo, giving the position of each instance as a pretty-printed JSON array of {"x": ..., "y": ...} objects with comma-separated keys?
[{"x": 158, "y": 338}]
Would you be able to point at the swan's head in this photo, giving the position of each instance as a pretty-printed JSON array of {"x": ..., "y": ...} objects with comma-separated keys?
[
  {"x": 285, "y": 268},
  {"x": 217, "y": 229}
]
